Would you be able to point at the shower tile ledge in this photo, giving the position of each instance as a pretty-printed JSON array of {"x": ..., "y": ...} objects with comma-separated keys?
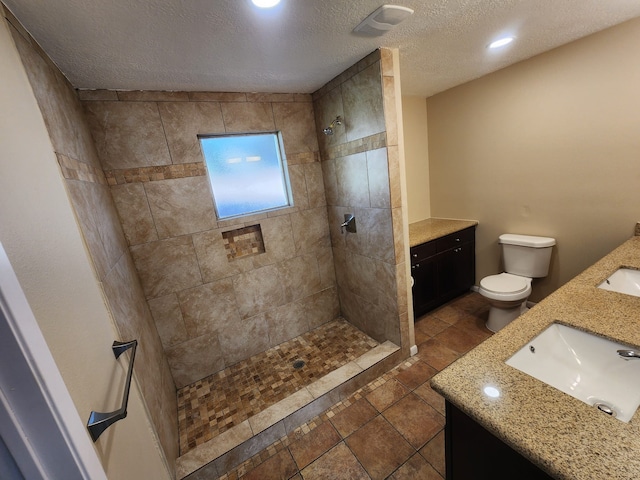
[{"x": 245, "y": 431}]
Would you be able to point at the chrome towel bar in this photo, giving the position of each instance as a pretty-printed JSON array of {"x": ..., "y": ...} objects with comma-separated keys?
[{"x": 98, "y": 422}]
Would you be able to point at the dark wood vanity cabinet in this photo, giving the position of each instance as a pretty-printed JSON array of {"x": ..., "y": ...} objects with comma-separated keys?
[
  {"x": 472, "y": 453},
  {"x": 442, "y": 269}
]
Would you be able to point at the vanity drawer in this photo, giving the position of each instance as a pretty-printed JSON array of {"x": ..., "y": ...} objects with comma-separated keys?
[
  {"x": 422, "y": 251},
  {"x": 455, "y": 239}
]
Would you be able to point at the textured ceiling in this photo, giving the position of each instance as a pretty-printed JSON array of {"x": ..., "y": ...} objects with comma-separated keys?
[{"x": 229, "y": 45}]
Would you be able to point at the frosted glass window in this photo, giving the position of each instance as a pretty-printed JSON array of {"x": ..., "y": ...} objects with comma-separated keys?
[{"x": 248, "y": 173}]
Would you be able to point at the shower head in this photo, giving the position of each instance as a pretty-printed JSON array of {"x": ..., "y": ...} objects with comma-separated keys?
[{"x": 329, "y": 129}]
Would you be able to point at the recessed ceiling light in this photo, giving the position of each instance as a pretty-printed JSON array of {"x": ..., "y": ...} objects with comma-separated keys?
[
  {"x": 501, "y": 42},
  {"x": 265, "y": 3}
]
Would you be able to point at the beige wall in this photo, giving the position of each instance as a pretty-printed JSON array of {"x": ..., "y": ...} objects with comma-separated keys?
[
  {"x": 549, "y": 146},
  {"x": 361, "y": 166},
  {"x": 40, "y": 233},
  {"x": 211, "y": 311},
  {"x": 416, "y": 145}
]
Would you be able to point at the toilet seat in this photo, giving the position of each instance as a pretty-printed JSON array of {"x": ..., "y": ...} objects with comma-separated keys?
[{"x": 505, "y": 287}]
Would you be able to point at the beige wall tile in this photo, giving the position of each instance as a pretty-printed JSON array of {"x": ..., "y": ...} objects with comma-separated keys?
[
  {"x": 277, "y": 235},
  {"x": 97, "y": 95},
  {"x": 297, "y": 124},
  {"x": 209, "y": 308},
  {"x": 363, "y": 106},
  {"x": 212, "y": 257},
  {"x": 310, "y": 230},
  {"x": 181, "y": 206},
  {"x": 324, "y": 256},
  {"x": 127, "y": 134},
  {"x": 286, "y": 322},
  {"x": 387, "y": 285},
  {"x": 394, "y": 176},
  {"x": 352, "y": 180},
  {"x": 248, "y": 117},
  {"x": 378, "y": 175},
  {"x": 299, "y": 276},
  {"x": 99, "y": 223},
  {"x": 135, "y": 215},
  {"x": 258, "y": 290},
  {"x": 325, "y": 112},
  {"x": 390, "y": 112},
  {"x": 168, "y": 319},
  {"x": 315, "y": 184},
  {"x": 376, "y": 226},
  {"x": 240, "y": 340},
  {"x": 321, "y": 307},
  {"x": 195, "y": 359},
  {"x": 330, "y": 181},
  {"x": 166, "y": 266},
  {"x": 183, "y": 122},
  {"x": 298, "y": 187},
  {"x": 217, "y": 97}
]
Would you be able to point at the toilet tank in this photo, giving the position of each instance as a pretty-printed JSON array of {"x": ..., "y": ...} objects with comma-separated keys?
[{"x": 526, "y": 255}]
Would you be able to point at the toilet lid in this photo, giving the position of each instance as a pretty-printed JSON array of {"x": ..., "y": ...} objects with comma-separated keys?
[{"x": 504, "y": 283}]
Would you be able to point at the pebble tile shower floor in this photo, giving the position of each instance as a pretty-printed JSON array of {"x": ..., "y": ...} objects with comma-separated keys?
[{"x": 220, "y": 401}]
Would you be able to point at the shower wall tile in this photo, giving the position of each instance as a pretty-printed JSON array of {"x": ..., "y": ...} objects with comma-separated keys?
[
  {"x": 326, "y": 268},
  {"x": 352, "y": 180},
  {"x": 286, "y": 322},
  {"x": 299, "y": 187},
  {"x": 134, "y": 212},
  {"x": 277, "y": 234},
  {"x": 166, "y": 266},
  {"x": 176, "y": 240},
  {"x": 212, "y": 257},
  {"x": 321, "y": 307},
  {"x": 310, "y": 231},
  {"x": 393, "y": 156},
  {"x": 378, "y": 175},
  {"x": 99, "y": 223},
  {"x": 168, "y": 319},
  {"x": 390, "y": 112},
  {"x": 315, "y": 185},
  {"x": 195, "y": 359},
  {"x": 209, "y": 308},
  {"x": 127, "y": 134},
  {"x": 248, "y": 117},
  {"x": 363, "y": 106},
  {"x": 361, "y": 174},
  {"x": 294, "y": 120},
  {"x": 243, "y": 339},
  {"x": 330, "y": 181},
  {"x": 181, "y": 206},
  {"x": 299, "y": 276},
  {"x": 183, "y": 122},
  {"x": 258, "y": 290}
]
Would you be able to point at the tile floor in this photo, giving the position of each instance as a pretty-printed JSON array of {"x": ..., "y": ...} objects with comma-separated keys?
[
  {"x": 391, "y": 428},
  {"x": 218, "y": 402}
]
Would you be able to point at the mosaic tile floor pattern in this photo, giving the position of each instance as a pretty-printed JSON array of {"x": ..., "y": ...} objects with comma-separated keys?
[{"x": 216, "y": 403}]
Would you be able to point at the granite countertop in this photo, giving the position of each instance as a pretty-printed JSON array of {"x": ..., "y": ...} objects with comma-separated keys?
[
  {"x": 562, "y": 435},
  {"x": 432, "y": 228}
]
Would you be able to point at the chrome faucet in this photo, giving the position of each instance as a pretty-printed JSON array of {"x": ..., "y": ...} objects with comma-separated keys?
[
  {"x": 349, "y": 223},
  {"x": 628, "y": 354}
]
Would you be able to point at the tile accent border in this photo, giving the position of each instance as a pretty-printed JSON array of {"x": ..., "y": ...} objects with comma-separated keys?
[
  {"x": 75, "y": 170},
  {"x": 372, "y": 142},
  {"x": 168, "y": 96},
  {"x": 149, "y": 174}
]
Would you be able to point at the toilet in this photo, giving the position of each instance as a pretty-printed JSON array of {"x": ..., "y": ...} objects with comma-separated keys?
[{"x": 525, "y": 257}]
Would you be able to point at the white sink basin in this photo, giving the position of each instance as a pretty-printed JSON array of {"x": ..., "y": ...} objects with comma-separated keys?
[
  {"x": 584, "y": 366},
  {"x": 623, "y": 280}
]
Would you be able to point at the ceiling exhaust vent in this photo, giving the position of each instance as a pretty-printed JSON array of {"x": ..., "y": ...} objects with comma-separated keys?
[{"x": 382, "y": 20}]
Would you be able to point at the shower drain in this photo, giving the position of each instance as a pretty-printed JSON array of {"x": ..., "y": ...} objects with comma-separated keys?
[{"x": 298, "y": 364}]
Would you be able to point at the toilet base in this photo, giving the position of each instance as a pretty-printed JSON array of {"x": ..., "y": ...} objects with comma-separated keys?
[{"x": 501, "y": 317}]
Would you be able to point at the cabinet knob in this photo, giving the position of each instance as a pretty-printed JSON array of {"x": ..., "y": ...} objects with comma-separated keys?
[
  {"x": 415, "y": 255},
  {"x": 457, "y": 239}
]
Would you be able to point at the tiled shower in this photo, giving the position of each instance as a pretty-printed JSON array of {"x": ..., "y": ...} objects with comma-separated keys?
[{"x": 135, "y": 177}]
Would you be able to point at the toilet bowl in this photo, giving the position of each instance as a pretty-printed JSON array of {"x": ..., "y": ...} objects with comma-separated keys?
[
  {"x": 507, "y": 295},
  {"x": 525, "y": 257}
]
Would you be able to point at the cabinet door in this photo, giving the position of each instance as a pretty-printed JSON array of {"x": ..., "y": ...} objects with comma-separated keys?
[
  {"x": 456, "y": 270},
  {"x": 425, "y": 291}
]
